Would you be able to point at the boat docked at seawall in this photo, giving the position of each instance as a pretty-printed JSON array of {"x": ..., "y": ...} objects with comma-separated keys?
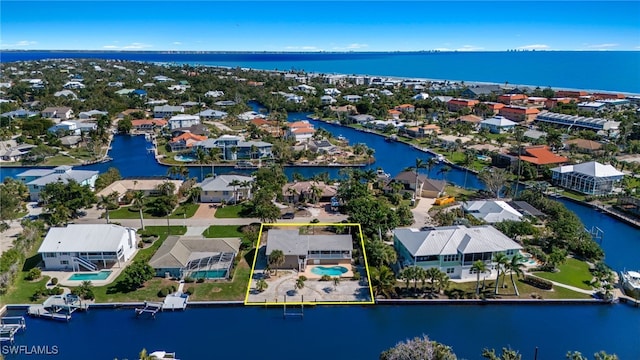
[
  {"x": 159, "y": 355},
  {"x": 246, "y": 165},
  {"x": 630, "y": 282}
]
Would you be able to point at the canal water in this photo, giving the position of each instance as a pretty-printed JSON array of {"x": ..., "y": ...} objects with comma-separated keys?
[{"x": 344, "y": 332}]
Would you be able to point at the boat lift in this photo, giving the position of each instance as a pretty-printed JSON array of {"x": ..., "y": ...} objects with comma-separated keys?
[{"x": 9, "y": 326}]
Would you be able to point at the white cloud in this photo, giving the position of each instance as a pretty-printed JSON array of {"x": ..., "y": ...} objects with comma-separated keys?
[
  {"x": 19, "y": 44},
  {"x": 602, "y": 46},
  {"x": 353, "y": 46},
  {"x": 534, "y": 47},
  {"x": 303, "y": 48},
  {"x": 132, "y": 46},
  {"x": 470, "y": 48},
  {"x": 177, "y": 43}
]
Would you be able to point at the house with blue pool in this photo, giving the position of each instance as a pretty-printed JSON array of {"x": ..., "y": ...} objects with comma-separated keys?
[
  {"x": 301, "y": 250},
  {"x": 453, "y": 249},
  {"x": 196, "y": 257},
  {"x": 36, "y": 179},
  {"x": 234, "y": 147},
  {"x": 87, "y": 247}
]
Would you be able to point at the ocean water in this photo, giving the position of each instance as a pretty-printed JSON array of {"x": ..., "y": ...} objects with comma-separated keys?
[{"x": 594, "y": 70}]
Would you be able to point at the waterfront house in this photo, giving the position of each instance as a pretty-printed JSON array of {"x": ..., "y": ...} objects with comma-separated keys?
[
  {"x": 11, "y": 151},
  {"x": 165, "y": 111},
  {"x": 361, "y": 118},
  {"x": 300, "y": 130},
  {"x": 491, "y": 211},
  {"x": 250, "y": 115},
  {"x": 219, "y": 189},
  {"x": 148, "y": 124},
  {"x": 36, "y": 179},
  {"x": 472, "y": 120},
  {"x": 520, "y": 114},
  {"x": 70, "y": 141},
  {"x": 300, "y": 191},
  {"x": 497, "y": 125},
  {"x": 459, "y": 104},
  {"x": 427, "y": 188},
  {"x": 149, "y": 187},
  {"x": 591, "y": 178},
  {"x": 234, "y": 147},
  {"x": 322, "y": 147},
  {"x": 183, "y": 121},
  {"x": 541, "y": 155},
  {"x": 57, "y": 113},
  {"x": 66, "y": 93},
  {"x": 79, "y": 247},
  {"x": 185, "y": 141},
  {"x": 394, "y": 114},
  {"x": 405, "y": 108},
  {"x": 352, "y": 98},
  {"x": 572, "y": 121},
  {"x": 269, "y": 126},
  {"x": 453, "y": 249},
  {"x": 302, "y": 250},
  {"x": 420, "y": 131},
  {"x": 214, "y": 93},
  {"x": 195, "y": 257}
]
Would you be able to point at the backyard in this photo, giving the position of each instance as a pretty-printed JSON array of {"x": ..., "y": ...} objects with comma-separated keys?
[
  {"x": 573, "y": 272},
  {"x": 127, "y": 212}
]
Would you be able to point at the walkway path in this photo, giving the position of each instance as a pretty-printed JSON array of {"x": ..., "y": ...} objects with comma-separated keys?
[{"x": 573, "y": 288}]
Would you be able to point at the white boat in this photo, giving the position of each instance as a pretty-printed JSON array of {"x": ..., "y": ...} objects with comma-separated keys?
[
  {"x": 160, "y": 355},
  {"x": 630, "y": 282}
]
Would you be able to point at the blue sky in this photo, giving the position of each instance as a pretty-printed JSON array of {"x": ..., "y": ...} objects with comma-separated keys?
[{"x": 319, "y": 26}]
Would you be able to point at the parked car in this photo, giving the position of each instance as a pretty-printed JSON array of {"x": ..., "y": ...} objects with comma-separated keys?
[{"x": 288, "y": 215}]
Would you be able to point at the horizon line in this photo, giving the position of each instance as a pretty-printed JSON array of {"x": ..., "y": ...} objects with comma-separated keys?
[{"x": 316, "y": 51}]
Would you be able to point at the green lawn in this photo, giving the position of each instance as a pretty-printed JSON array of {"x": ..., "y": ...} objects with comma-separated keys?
[
  {"x": 573, "y": 272},
  {"x": 22, "y": 290},
  {"x": 458, "y": 158},
  {"x": 526, "y": 291},
  {"x": 222, "y": 231},
  {"x": 124, "y": 212},
  {"x": 573, "y": 195},
  {"x": 59, "y": 159},
  {"x": 228, "y": 211},
  {"x": 222, "y": 290}
]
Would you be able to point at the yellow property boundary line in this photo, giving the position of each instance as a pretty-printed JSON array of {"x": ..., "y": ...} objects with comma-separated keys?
[{"x": 364, "y": 254}]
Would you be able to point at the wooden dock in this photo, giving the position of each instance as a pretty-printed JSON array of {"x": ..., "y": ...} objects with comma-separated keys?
[
  {"x": 9, "y": 326},
  {"x": 150, "y": 308},
  {"x": 175, "y": 301}
]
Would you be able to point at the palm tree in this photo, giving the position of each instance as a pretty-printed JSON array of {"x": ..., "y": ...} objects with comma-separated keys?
[
  {"x": 201, "y": 155},
  {"x": 261, "y": 285},
  {"x": 300, "y": 283},
  {"x": 444, "y": 170},
  {"x": 442, "y": 282},
  {"x": 430, "y": 164},
  {"x": 432, "y": 274},
  {"x": 515, "y": 266},
  {"x": 138, "y": 201},
  {"x": 469, "y": 157},
  {"x": 370, "y": 153},
  {"x": 214, "y": 156},
  {"x": 183, "y": 171},
  {"x": 383, "y": 281},
  {"x": 254, "y": 150},
  {"x": 406, "y": 274},
  {"x": 246, "y": 184},
  {"x": 292, "y": 194},
  {"x": 420, "y": 164},
  {"x": 479, "y": 267},
  {"x": 316, "y": 192},
  {"x": 336, "y": 282},
  {"x": 235, "y": 183},
  {"x": 276, "y": 259},
  {"x": 194, "y": 193},
  {"x": 107, "y": 202},
  {"x": 173, "y": 171},
  {"x": 501, "y": 260},
  {"x": 419, "y": 274}
]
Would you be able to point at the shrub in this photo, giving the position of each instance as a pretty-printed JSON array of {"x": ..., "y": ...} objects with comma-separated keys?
[
  {"x": 538, "y": 282},
  {"x": 148, "y": 239},
  {"x": 314, "y": 221},
  {"x": 173, "y": 288},
  {"x": 54, "y": 281},
  {"x": 325, "y": 278},
  {"x": 356, "y": 275},
  {"x": 140, "y": 244},
  {"x": 190, "y": 290},
  {"x": 33, "y": 274},
  {"x": 56, "y": 291},
  {"x": 200, "y": 281},
  {"x": 189, "y": 280},
  {"x": 163, "y": 292}
]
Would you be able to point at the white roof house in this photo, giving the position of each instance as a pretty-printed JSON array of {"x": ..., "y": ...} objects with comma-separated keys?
[
  {"x": 491, "y": 211},
  {"x": 36, "y": 179},
  {"x": 452, "y": 249},
  {"x": 590, "y": 178},
  {"x": 183, "y": 121},
  {"x": 87, "y": 246}
]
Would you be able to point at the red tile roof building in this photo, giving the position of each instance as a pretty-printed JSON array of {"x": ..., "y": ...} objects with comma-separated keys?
[
  {"x": 519, "y": 113},
  {"x": 457, "y": 104},
  {"x": 542, "y": 155}
]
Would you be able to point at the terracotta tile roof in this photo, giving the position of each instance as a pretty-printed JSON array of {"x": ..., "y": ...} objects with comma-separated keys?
[
  {"x": 585, "y": 144},
  {"x": 189, "y": 136},
  {"x": 140, "y": 122},
  {"x": 470, "y": 118},
  {"x": 541, "y": 155},
  {"x": 304, "y": 130}
]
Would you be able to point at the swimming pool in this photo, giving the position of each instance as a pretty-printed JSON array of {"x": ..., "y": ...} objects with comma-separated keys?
[
  {"x": 102, "y": 275},
  {"x": 184, "y": 158},
  {"x": 331, "y": 271},
  {"x": 209, "y": 274}
]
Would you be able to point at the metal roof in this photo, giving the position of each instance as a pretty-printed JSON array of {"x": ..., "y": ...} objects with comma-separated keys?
[
  {"x": 84, "y": 238},
  {"x": 292, "y": 243}
]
